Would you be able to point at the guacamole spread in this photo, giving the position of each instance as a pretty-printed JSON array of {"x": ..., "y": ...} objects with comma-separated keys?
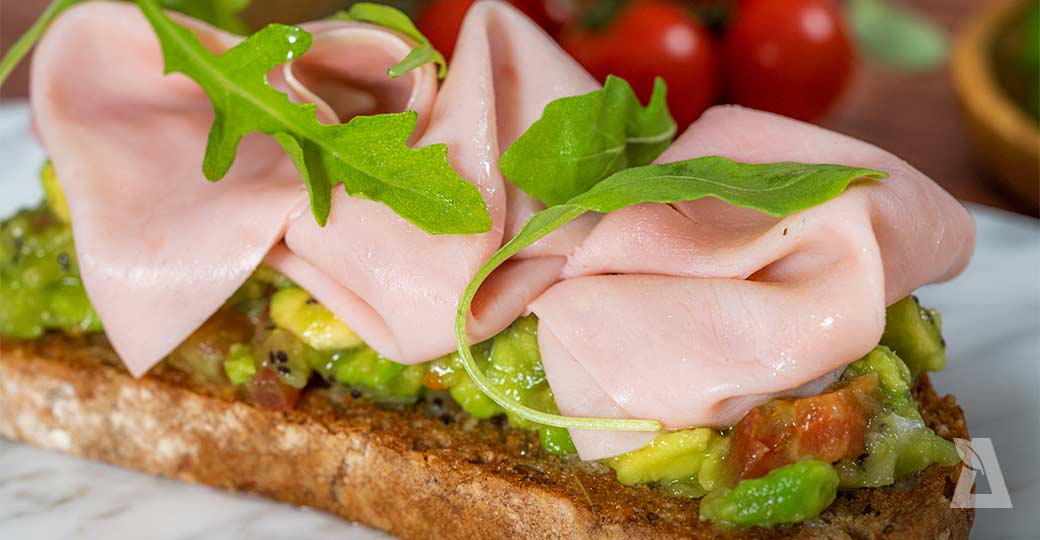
[{"x": 272, "y": 339}]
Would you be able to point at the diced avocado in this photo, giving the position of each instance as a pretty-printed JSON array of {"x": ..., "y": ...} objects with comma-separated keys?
[
  {"x": 538, "y": 398},
  {"x": 516, "y": 364},
  {"x": 203, "y": 353},
  {"x": 326, "y": 363},
  {"x": 556, "y": 440},
  {"x": 240, "y": 365},
  {"x": 379, "y": 378},
  {"x": 513, "y": 364},
  {"x": 915, "y": 334},
  {"x": 788, "y": 494},
  {"x": 673, "y": 456},
  {"x": 53, "y": 193},
  {"x": 251, "y": 299},
  {"x": 293, "y": 310},
  {"x": 409, "y": 382},
  {"x": 364, "y": 367},
  {"x": 447, "y": 371},
  {"x": 515, "y": 368},
  {"x": 893, "y": 378},
  {"x": 286, "y": 354},
  {"x": 473, "y": 401},
  {"x": 896, "y": 446},
  {"x": 898, "y": 441},
  {"x": 40, "y": 287},
  {"x": 687, "y": 489},
  {"x": 270, "y": 276},
  {"x": 713, "y": 474}
]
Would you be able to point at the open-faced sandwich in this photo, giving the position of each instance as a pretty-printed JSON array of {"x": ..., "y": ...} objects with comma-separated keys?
[{"x": 527, "y": 312}]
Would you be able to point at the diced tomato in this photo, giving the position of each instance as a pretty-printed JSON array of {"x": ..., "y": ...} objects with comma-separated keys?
[
  {"x": 433, "y": 382},
  {"x": 267, "y": 391},
  {"x": 829, "y": 427}
]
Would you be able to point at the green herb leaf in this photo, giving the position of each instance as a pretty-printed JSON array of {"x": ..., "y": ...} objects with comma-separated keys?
[
  {"x": 777, "y": 189},
  {"x": 220, "y": 13},
  {"x": 24, "y": 44},
  {"x": 897, "y": 36},
  {"x": 580, "y": 140},
  {"x": 398, "y": 21},
  {"x": 369, "y": 155}
]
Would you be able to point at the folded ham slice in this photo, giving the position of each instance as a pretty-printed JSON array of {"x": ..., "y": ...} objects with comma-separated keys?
[
  {"x": 694, "y": 313},
  {"x": 161, "y": 248},
  {"x": 690, "y": 313}
]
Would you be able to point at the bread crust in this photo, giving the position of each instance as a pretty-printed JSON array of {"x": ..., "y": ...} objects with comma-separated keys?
[{"x": 415, "y": 472}]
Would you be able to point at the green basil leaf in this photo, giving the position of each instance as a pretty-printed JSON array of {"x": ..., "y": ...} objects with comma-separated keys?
[
  {"x": 369, "y": 155},
  {"x": 777, "y": 189},
  {"x": 398, "y": 21},
  {"x": 897, "y": 36},
  {"x": 580, "y": 140}
]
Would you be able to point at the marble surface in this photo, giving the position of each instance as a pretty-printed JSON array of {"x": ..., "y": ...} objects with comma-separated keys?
[{"x": 991, "y": 319}]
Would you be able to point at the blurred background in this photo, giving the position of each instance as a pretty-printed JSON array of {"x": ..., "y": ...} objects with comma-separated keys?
[{"x": 949, "y": 85}]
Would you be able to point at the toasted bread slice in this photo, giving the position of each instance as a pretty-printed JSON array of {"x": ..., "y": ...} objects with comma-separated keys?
[{"x": 418, "y": 472}]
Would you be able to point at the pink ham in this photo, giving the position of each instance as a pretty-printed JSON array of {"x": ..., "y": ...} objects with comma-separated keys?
[
  {"x": 127, "y": 144},
  {"x": 694, "y": 313},
  {"x": 161, "y": 248},
  {"x": 690, "y": 314}
]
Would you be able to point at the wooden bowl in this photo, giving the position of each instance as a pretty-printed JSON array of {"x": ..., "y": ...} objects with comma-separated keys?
[{"x": 1006, "y": 136}]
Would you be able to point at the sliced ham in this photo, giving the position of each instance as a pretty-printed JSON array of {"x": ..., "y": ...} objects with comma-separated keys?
[
  {"x": 161, "y": 248},
  {"x": 694, "y": 313},
  {"x": 690, "y": 313},
  {"x": 503, "y": 73}
]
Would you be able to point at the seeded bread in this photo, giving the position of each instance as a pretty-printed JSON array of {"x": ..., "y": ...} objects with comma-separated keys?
[{"x": 419, "y": 472}]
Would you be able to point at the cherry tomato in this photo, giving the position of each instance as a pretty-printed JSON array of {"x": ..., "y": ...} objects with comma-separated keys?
[
  {"x": 791, "y": 57},
  {"x": 551, "y": 15},
  {"x": 649, "y": 39},
  {"x": 440, "y": 22}
]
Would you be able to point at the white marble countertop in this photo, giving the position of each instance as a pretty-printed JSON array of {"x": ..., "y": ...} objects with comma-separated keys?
[{"x": 991, "y": 319}]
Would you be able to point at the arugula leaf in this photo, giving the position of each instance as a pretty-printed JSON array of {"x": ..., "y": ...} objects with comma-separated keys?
[
  {"x": 398, "y": 21},
  {"x": 220, "y": 13},
  {"x": 777, "y": 189},
  {"x": 25, "y": 43},
  {"x": 582, "y": 139},
  {"x": 369, "y": 155}
]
